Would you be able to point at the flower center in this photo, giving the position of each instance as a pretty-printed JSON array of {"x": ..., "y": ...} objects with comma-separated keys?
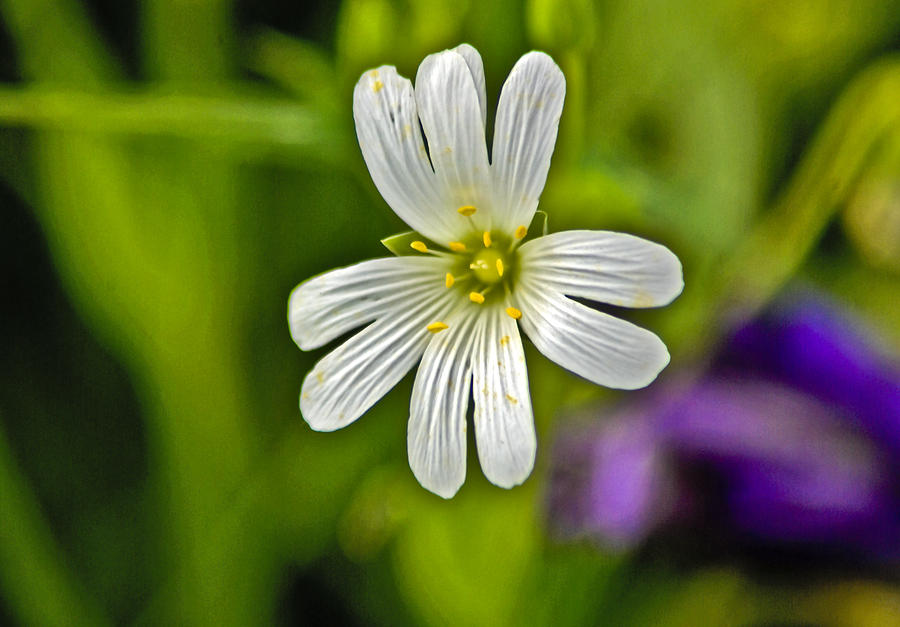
[
  {"x": 480, "y": 273},
  {"x": 489, "y": 265},
  {"x": 485, "y": 267}
]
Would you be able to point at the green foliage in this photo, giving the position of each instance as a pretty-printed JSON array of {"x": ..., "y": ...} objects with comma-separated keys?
[{"x": 180, "y": 208}]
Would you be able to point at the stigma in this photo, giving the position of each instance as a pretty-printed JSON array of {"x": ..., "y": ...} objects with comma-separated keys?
[{"x": 488, "y": 265}]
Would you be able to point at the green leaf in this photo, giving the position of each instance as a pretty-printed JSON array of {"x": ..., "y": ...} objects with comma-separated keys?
[{"x": 399, "y": 244}]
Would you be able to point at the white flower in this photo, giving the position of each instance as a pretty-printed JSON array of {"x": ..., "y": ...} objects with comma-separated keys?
[{"x": 466, "y": 279}]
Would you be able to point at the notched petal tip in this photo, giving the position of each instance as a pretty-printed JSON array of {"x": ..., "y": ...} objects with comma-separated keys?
[
  {"x": 439, "y": 67},
  {"x": 476, "y": 67}
]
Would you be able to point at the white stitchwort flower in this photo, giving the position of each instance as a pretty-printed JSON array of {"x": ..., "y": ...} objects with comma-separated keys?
[{"x": 462, "y": 284}]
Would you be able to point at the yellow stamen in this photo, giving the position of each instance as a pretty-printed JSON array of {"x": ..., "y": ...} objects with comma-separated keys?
[
  {"x": 487, "y": 239},
  {"x": 500, "y": 267},
  {"x": 420, "y": 246},
  {"x": 457, "y": 246},
  {"x": 448, "y": 280},
  {"x": 475, "y": 297},
  {"x": 521, "y": 231},
  {"x": 466, "y": 210},
  {"x": 513, "y": 313},
  {"x": 436, "y": 327}
]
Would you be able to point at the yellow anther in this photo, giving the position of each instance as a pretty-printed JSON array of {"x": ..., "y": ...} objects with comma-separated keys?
[
  {"x": 499, "y": 266},
  {"x": 521, "y": 231},
  {"x": 449, "y": 280},
  {"x": 457, "y": 246},
  {"x": 513, "y": 313},
  {"x": 436, "y": 327},
  {"x": 475, "y": 297},
  {"x": 486, "y": 238},
  {"x": 420, "y": 246},
  {"x": 466, "y": 210}
]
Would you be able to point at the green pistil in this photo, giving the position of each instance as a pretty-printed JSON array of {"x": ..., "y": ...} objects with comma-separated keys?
[{"x": 486, "y": 268}]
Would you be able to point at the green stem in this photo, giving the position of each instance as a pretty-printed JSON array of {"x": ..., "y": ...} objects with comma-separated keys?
[
  {"x": 268, "y": 122},
  {"x": 774, "y": 250}
]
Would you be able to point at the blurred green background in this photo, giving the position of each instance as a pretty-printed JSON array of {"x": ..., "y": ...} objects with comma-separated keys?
[{"x": 170, "y": 169}]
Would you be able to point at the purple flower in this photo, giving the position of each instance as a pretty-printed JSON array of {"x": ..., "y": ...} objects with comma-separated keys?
[
  {"x": 813, "y": 348},
  {"x": 796, "y": 424}
]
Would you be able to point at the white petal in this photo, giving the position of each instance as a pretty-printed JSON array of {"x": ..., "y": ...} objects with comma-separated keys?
[
  {"x": 504, "y": 422},
  {"x": 351, "y": 378},
  {"x": 592, "y": 344},
  {"x": 524, "y": 137},
  {"x": 451, "y": 117},
  {"x": 387, "y": 126},
  {"x": 436, "y": 434},
  {"x": 476, "y": 67},
  {"x": 327, "y": 306},
  {"x": 614, "y": 268}
]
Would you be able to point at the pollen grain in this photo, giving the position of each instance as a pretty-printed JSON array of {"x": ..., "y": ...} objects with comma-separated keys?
[
  {"x": 436, "y": 327},
  {"x": 513, "y": 313}
]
